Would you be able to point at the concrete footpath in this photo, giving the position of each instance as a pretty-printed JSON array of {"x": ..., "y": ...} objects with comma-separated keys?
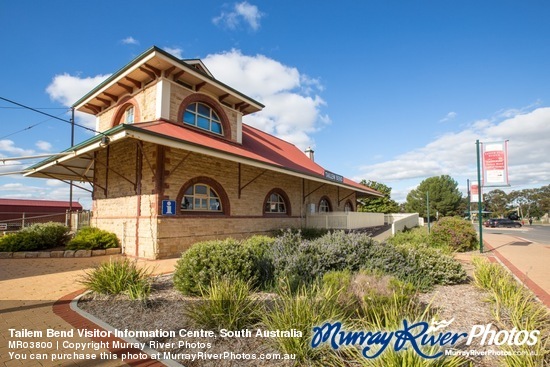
[
  {"x": 35, "y": 296},
  {"x": 528, "y": 261}
]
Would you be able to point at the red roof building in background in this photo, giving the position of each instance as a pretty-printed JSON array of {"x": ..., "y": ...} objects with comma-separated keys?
[{"x": 16, "y": 213}]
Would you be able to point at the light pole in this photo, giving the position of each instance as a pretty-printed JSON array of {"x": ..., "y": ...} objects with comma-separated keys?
[{"x": 479, "y": 211}]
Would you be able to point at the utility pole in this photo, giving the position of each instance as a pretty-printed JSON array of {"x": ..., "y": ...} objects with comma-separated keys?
[{"x": 71, "y": 181}]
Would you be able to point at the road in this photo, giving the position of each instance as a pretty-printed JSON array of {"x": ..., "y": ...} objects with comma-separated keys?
[{"x": 535, "y": 233}]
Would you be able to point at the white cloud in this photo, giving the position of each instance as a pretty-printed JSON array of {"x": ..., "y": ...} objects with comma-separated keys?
[
  {"x": 130, "y": 41},
  {"x": 293, "y": 109},
  {"x": 243, "y": 11},
  {"x": 176, "y": 51},
  {"x": 450, "y": 116},
  {"x": 9, "y": 147},
  {"x": 455, "y": 153},
  {"x": 44, "y": 145},
  {"x": 67, "y": 89}
]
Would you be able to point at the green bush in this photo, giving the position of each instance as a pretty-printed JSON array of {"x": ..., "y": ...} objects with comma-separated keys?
[
  {"x": 91, "y": 238},
  {"x": 422, "y": 266},
  {"x": 299, "y": 261},
  {"x": 306, "y": 233},
  {"x": 209, "y": 260},
  {"x": 40, "y": 236},
  {"x": 225, "y": 304},
  {"x": 116, "y": 277},
  {"x": 302, "y": 262},
  {"x": 435, "y": 265},
  {"x": 414, "y": 236},
  {"x": 260, "y": 247},
  {"x": 455, "y": 233}
]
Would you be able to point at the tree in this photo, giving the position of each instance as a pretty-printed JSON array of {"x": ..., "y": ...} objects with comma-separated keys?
[
  {"x": 382, "y": 204},
  {"x": 445, "y": 198},
  {"x": 496, "y": 201}
]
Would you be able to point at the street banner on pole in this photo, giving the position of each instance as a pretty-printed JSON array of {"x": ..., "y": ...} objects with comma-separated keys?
[
  {"x": 495, "y": 164},
  {"x": 474, "y": 192}
]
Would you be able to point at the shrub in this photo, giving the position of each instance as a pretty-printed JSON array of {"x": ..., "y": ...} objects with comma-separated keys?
[
  {"x": 415, "y": 236},
  {"x": 209, "y": 260},
  {"x": 422, "y": 266},
  {"x": 38, "y": 236},
  {"x": 307, "y": 233},
  {"x": 225, "y": 304},
  {"x": 453, "y": 232},
  {"x": 92, "y": 238},
  {"x": 368, "y": 294},
  {"x": 116, "y": 277},
  {"x": 436, "y": 265},
  {"x": 300, "y": 261},
  {"x": 260, "y": 247}
]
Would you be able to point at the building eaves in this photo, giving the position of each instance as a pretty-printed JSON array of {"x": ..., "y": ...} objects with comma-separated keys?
[{"x": 182, "y": 64}]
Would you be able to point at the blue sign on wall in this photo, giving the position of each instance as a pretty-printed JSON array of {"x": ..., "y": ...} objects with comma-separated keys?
[{"x": 169, "y": 207}]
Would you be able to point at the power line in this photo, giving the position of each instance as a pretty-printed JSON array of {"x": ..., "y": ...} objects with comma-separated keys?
[
  {"x": 27, "y": 128},
  {"x": 38, "y": 108},
  {"x": 52, "y": 116}
]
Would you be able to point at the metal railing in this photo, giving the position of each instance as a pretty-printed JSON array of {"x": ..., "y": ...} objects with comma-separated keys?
[{"x": 18, "y": 221}]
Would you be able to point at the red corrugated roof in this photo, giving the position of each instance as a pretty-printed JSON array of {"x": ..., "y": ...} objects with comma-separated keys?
[
  {"x": 256, "y": 145},
  {"x": 42, "y": 203}
]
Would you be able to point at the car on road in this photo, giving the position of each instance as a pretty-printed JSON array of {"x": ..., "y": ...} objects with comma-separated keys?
[{"x": 501, "y": 222}]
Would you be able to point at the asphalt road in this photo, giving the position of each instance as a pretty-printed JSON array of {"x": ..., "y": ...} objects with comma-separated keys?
[{"x": 535, "y": 233}]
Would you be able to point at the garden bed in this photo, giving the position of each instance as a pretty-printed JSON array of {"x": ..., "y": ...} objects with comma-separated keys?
[
  {"x": 463, "y": 302},
  {"x": 287, "y": 284}
]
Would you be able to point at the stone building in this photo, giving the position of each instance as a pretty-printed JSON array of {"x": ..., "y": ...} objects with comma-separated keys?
[{"x": 173, "y": 164}]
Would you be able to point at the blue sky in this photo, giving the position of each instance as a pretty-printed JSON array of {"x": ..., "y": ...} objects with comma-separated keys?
[{"x": 393, "y": 91}]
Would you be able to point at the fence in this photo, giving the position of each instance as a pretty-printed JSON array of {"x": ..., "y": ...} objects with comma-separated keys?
[
  {"x": 344, "y": 220},
  {"x": 401, "y": 221},
  {"x": 17, "y": 221}
]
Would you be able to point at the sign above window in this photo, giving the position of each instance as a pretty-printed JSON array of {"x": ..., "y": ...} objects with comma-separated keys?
[{"x": 334, "y": 177}]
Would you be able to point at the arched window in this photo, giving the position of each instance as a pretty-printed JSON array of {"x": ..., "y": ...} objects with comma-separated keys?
[
  {"x": 205, "y": 113},
  {"x": 129, "y": 115},
  {"x": 127, "y": 112},
  {"x": 202, "y": 116},
  {"x": 348, "y": 207},
  {"x": 324, "y": 205},
  {"x": 202, "y": 195},
  {"x": 276, "y": 202}
]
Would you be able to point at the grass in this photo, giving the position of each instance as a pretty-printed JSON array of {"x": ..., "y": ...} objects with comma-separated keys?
[
  {"x": 515, "y": 307},
  {"x": 118, "y": 276},
  {"x": 225, "y": 304},
  {"x": 301, "y": 310}
]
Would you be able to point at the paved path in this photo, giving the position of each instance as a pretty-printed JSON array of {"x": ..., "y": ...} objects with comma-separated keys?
[
  {"x": 29, "y": 288},
  {"x": 528, "y": 261}
]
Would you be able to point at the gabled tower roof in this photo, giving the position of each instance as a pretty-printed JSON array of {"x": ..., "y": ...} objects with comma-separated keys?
[{"x": 156, "y": 63}]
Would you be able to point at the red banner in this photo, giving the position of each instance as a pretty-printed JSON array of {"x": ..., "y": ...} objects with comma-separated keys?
[{"x": 495, "y": 164}]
